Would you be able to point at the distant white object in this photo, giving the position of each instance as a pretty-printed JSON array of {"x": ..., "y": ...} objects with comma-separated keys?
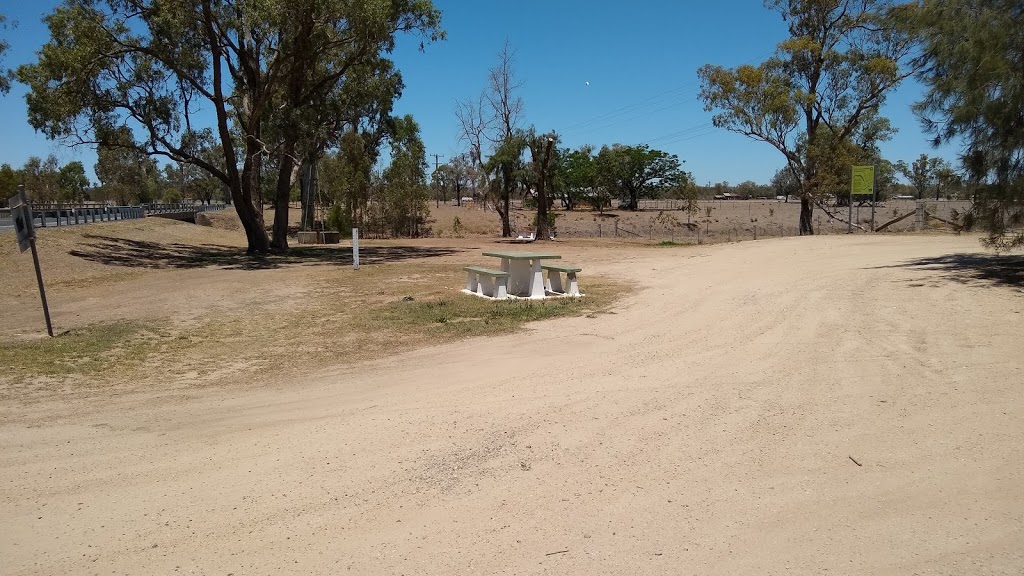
[
  {"x": 588, "y": 83},
  {"x": 525, "y": 239}
]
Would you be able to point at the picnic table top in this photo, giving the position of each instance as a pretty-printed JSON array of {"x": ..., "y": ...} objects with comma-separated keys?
[{"x": 523, "y": 255}]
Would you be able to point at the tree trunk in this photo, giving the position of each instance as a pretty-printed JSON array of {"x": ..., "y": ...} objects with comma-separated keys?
[
  {"x": 543, "y": 231},
  {"x": 806, "y": 213},
  {"x": 281, "y": 198},
  {"x": 506, "y": 215},
  {"x": 252, "y": 221}
]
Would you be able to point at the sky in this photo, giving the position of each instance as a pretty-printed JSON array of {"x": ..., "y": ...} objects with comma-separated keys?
[{"x": 640, "y": 59}]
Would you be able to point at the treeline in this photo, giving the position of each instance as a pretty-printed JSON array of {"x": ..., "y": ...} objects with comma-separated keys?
[
  {"x": 125, "y": 178},
  {"x": 505, "y": 160}
]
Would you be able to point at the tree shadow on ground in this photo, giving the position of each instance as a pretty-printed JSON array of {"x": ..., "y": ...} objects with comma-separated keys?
[
  {"x": 143, "y": 254},
  {"x": 977, "y": 269}
]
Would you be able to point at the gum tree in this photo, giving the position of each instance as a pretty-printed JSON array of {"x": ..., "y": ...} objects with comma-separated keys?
[
  {"x": 163, "y": 67},
  {"x": 831, "y": 75}
]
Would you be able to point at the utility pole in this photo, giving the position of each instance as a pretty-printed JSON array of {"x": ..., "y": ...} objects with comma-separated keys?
[{"x": 437, "y": 158}]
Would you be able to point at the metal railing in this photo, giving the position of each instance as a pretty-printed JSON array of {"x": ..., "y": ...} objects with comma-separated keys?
[{"x": 44, "y": 215}]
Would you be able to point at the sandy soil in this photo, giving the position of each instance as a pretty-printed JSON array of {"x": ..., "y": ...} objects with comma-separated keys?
[{"x": 709, "y": 427}]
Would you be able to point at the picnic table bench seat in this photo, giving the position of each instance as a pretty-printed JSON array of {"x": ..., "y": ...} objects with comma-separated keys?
[
  {"x": 554, "y": 281},
  {"x": 486, "y": 282}
]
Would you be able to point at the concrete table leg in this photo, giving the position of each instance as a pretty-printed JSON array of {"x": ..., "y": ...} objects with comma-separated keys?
[{"x": 536, "y": 280}]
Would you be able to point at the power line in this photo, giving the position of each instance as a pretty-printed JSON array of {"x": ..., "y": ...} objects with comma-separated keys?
[{"x": 614, "y": 117}]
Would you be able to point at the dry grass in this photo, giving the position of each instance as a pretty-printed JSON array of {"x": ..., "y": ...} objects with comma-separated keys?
[{"x": 245, "y": 324}]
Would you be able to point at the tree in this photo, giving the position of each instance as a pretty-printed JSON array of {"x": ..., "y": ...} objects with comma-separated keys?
[
  {"x": 635, "y": 172},
  {"x": 404, "y": 203},
  {"x": 9, "y": 180},
  {"x": 785, "y": 183},
  {"x": 149, "y": 64},
  {"x": 923, "y": 173},
  {"x": 72, "y": 182},
  {"x": 540, "y": 153},
  {"x": 947, "y": 179},
  {"x": 41, "y": 179},
  {"x": 831, "y": 76},
  {"x": 579, "y": 179},
  {"x": 507, "y": 108},
  {"x": 449, "y": 179},
  {"x": 971, "y": 55},
  {"x": 494, "y": 119},
  {"x": 126, "y": 176},
  {"x": 5, "y": 81}
]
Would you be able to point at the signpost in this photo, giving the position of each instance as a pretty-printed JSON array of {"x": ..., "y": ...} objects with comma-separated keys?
[
  {"x": 21, "y": 212},
  {"x": 862, "y": 183}
]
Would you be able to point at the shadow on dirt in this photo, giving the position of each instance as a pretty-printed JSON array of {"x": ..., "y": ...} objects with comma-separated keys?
[
  {"x": 136, "y": 253},
  {"x": 974, "y": 269}
]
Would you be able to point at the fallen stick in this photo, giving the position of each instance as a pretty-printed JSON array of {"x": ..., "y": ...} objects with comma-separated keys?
[
  {"x": 895, "y": 220},
  {"x": 854, "y": 461},
  {"x": 839, "y": 218},
  {"x": 559, "y": 552}
]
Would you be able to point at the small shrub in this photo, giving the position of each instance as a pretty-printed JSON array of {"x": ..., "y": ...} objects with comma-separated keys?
[{"x": 338, "y": 220}]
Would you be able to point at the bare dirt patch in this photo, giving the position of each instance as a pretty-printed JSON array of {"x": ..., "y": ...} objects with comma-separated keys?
[{"x": 708, "y": 423}]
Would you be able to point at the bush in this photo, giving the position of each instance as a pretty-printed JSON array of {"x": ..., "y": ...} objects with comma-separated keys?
[
  {"x": 172, "y": 197},
  {"x": 338, "y": 220}
]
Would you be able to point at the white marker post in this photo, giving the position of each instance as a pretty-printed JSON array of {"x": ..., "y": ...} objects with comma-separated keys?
[{"x": 355, "y": 248}]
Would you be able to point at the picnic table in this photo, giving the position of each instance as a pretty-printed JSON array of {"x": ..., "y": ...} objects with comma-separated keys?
[{"x": 525, "y": 279}]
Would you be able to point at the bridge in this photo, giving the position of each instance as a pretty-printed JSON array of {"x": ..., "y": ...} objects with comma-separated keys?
[{"x": 45, "y": 215}]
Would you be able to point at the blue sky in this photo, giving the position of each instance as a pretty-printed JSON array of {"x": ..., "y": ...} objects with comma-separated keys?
[{"x": 639, "y": 57}]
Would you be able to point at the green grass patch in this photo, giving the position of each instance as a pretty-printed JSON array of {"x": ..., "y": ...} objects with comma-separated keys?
[
  {"x": 85, "y": 351},
  {"x": 461, "y": 315}
]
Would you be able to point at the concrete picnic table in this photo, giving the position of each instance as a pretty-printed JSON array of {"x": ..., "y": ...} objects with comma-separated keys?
[{"x": 524, "y": 275}]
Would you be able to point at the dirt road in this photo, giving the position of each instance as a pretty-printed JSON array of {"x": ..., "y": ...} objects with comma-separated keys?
[{"x": 710, "y": 426}]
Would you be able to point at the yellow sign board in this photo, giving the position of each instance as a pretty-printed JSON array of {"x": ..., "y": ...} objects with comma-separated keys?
[{"x": 863, "y": 182}]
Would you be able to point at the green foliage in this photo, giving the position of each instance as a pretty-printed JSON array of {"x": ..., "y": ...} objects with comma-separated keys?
[
  {"x": 126, "y": 176},
  {"x": 926, "y": 172},
  {"x": 9, "y": 180},
  {"x": 634, "y": 172},
  {"x": 972, "y": 52},
  {"x": 171, "y": 196},
  {"x": 578, "y": 178},
  {"x": 338, "y": 219},
  {"x": 5, "y": 81},
  {"x": 72, "y": 182},
  {"x": 275, "y": 74},
  {"x": 828, "y": 79},
  {"x": 41, "y": 179},
  {"x": 403, "y": 203}
]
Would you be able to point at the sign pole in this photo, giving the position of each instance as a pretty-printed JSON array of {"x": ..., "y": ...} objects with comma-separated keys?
[
  {"x": 849, "y": 219},
  {"x": 874, "y": 198},
  {"x": 42, "y": 289},
  {"x": 21, "y": 212}
]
